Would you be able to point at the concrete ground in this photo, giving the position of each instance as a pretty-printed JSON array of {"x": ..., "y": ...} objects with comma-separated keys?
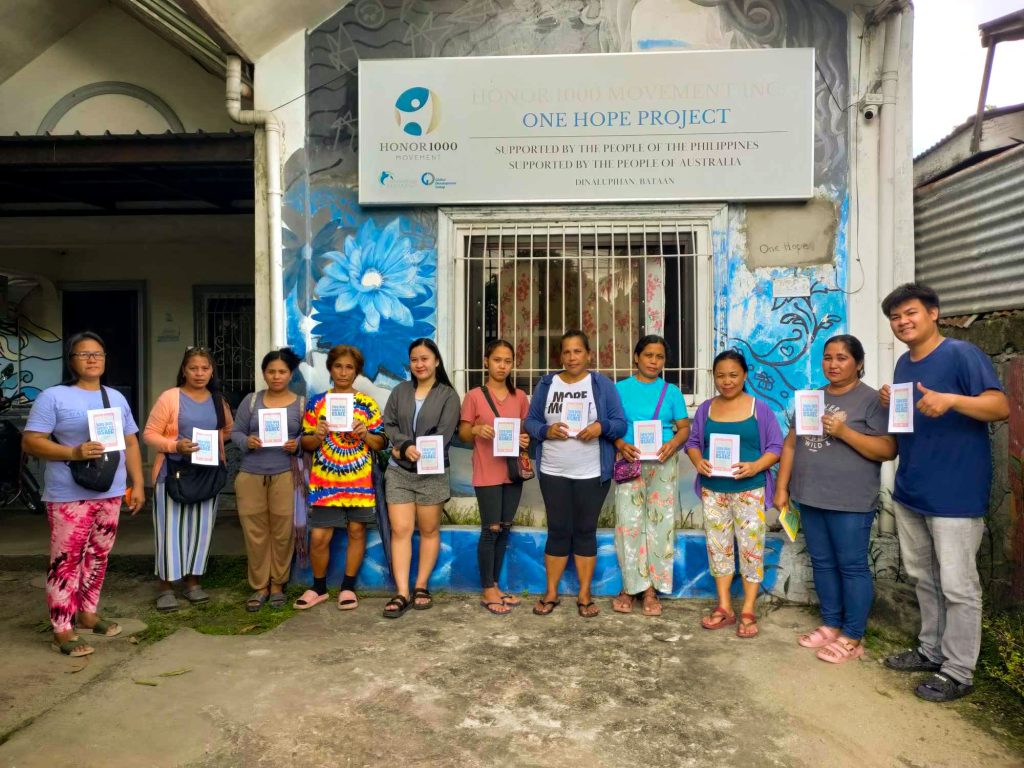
[{"x": 455, "y": 686}]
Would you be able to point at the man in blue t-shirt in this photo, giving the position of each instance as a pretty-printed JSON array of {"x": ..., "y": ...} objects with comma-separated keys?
[{"x": 942, "y": 488}]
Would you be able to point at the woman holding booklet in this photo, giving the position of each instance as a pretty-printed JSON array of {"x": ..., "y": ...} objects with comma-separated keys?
[
  {"x": 344, "y": 430},
  {"x": 497, "y": 494},
  {"x": 830, "y": 466},
  {"x": 646, "y": 494},
  {"x": 266, "y": 431},
  {"x": 187, "y": 426},
  {"x": 62, "y": 429},
  {"x": 420, "y": 420},
  {"x": 734, "y": 442},
  {"x": 575, "y": 417}
]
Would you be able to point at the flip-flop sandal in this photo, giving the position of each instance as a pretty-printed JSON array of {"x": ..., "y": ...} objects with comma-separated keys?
[
  {"x": 581, "y": 609},
  {"x": 652, "y": 606},
  {"x": 728, "y": 619},
  {"x": 548, "y": 606},
  {"x": 167, "y": 602},
  {"x": 103, "y": 628},
  {"x": 840, "y": 652},
  {"x": 617, "y": 603},
  {"x": 511, "y": 600},
  {"x": 747, "y": 628},
  {"x": 196, "y": 595},
  {"x": 347, "y": 600},
  {"x": 421, "y": 592},
  {"x": 277, "y": 599},
  {"x": 494, "y": 607},
  {"x": 68, "y": 648},
  {"x": 819, "y": 638},
  {"x": 401, "y": 603},
  {"x": 256, "y": 602},
  {"x": 310, "y": 598}
]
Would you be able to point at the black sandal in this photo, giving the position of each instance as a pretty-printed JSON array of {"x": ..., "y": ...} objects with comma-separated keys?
[
  {"x": 548, "y": 607},
  {"x": 581, "y": 609},
  {"x": 401, "y": 603},
  {"x": 421, "y": 592}
]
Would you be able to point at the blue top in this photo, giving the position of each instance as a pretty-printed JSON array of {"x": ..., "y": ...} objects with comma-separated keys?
[
  {"x": 945, "y": 467},
  {"x": 609, "y": 414},
  {"x": 639, "y": 400},
  {"x": 750, "y": 450},
  {"x": 191, "y": 415},
  {"x": 60, "y": 411}
]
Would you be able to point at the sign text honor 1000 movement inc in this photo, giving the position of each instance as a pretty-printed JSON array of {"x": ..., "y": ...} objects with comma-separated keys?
[{"x": 686, "y": 125}]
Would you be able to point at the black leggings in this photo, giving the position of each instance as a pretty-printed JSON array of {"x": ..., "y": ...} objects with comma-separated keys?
[
  {"x": 572, "y": 507},
  {"x": 498, "y": 505}
]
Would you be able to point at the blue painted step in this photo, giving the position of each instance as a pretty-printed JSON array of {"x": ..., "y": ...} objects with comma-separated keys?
[{"x": 457, "y": 570}]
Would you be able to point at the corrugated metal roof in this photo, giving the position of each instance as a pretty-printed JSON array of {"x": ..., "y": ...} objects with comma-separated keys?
[{"x": 969, "y": 235}]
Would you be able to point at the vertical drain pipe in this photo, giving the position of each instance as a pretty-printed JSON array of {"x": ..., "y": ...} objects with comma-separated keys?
[{"x": 273, "y": 130}]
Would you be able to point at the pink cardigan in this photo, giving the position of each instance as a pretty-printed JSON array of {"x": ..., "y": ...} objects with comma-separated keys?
[{"x": 161, "y": 432}]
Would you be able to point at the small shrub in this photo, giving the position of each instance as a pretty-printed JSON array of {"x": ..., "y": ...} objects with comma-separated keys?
[{"x": 1002, "y": 656}]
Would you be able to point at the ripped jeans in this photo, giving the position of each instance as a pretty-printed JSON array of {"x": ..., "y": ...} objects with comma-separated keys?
[{"x": 498, "y": 504}]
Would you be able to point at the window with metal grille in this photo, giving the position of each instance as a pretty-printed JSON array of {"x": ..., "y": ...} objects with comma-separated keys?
[
  {"x": 616, "y": 280},
  {"x": 225, "y": 323}
]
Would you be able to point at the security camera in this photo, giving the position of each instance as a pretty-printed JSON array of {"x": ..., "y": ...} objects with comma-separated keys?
[{"x": 871, "y": 105}]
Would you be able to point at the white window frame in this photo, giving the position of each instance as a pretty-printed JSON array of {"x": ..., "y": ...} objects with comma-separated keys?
[{"x": 708, "y": 222}]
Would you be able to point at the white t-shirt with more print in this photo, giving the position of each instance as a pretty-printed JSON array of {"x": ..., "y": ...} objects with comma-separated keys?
[{"x": 572, "y": 458}]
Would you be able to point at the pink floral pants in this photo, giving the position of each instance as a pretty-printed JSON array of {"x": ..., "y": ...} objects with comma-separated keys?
[{"x": 81, "y": 537}]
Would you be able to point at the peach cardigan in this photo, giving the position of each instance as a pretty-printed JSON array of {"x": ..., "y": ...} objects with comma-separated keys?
[{"x": 161, "y": 431}]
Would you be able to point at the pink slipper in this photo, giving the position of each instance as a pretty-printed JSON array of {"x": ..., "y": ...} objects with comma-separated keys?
[
  {"x": 347, "y": 600},
  {"x": 309, "y": 599},
  {"x": 840, "y": 652},
  {"x": 819, "y": 638}
]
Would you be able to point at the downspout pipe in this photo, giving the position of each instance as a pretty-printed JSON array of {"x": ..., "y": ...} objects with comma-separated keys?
[
  {"x": 273, "y": 131},
  {"x": 887, "y": 118}
]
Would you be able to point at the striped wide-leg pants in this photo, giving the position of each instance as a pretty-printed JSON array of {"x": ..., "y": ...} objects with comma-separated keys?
[{"x": 183, "y": 535}]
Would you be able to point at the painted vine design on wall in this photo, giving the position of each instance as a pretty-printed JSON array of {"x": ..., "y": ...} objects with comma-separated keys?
[{"x": 778, "y": 371}]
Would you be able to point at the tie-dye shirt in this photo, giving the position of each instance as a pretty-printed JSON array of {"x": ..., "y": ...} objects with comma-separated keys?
[{"x": 342, "y": 471}]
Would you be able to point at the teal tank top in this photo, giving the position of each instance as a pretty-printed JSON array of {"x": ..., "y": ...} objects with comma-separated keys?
[{"x": 750, "y": 450}]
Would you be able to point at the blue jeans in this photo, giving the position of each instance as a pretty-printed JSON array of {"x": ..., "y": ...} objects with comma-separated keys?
[{"x": 838, "y": 545}]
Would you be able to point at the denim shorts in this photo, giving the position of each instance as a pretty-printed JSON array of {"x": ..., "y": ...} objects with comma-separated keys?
[{"x": 404, "y": 487}]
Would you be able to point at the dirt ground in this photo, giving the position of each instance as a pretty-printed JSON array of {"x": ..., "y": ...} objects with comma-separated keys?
[{"x": 455, "y": 686}]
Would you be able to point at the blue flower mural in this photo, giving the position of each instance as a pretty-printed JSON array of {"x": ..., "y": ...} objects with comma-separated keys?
[
  {"x": 376, "y": 294},
  {"x": 378, "y": 273}
]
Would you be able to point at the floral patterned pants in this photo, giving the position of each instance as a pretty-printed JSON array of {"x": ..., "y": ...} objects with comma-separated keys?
[
  {"x": 740, "y": 517},
  {"x": 645, "y": 518},
  {"x": 81, "y": 537}
]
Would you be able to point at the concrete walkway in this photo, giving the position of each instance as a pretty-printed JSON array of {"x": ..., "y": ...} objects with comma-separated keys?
[{"x": 455, "y": 686}]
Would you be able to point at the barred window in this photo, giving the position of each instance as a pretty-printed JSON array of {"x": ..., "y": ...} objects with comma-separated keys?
[{"x": 615, "y": 280}]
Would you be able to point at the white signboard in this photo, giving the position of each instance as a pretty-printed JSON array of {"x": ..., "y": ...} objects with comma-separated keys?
[{"x": 673, "y": 125}]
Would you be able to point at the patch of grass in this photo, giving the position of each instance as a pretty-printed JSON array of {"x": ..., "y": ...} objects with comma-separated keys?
[{"x": 225, "y": 614}]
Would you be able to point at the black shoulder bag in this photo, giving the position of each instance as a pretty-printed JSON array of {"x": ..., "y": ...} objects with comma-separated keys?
[
  {"x": 96, "y": 474},
  {"x": 520, "y": 468},
  {"x": 189, "y": 483}
]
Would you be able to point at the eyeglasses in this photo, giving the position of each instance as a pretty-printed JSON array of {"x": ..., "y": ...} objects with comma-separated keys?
[
  {"x": 196, "y": 349},
  {"x": 89, "y": 355}
]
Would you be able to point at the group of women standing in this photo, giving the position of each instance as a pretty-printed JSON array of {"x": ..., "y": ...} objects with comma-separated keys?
[{"x": 335, "y": 476}]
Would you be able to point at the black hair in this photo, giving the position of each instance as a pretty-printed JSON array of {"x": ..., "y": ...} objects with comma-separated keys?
[
  {"x": 285, "y": 355},
  {"x": 908, "y": 292},
  {"x": 646, "y": 341},
  {"x": 731, "y": 354},
  {"x": 492, "y": 345},
  {"x": 574, "y": 333},
  {"x": 440, "y": 374},
  {"x": 69, "y": 347},
  {"x": 853, "y": 346},
  {"x": 213, "y": 385}
]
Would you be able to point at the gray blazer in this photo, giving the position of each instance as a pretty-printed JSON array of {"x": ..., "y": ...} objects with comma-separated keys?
[{"x": 439, "y": 415}]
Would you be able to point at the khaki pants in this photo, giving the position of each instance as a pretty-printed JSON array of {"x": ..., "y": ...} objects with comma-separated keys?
[{"x": 265, "y": 509}]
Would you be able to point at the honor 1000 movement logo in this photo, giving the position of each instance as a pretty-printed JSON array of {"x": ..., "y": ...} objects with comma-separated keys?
[{"x": 417, "y": 111}]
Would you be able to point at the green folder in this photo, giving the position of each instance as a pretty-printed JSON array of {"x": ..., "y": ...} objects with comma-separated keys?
[{"x": 789, "y": 518}]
